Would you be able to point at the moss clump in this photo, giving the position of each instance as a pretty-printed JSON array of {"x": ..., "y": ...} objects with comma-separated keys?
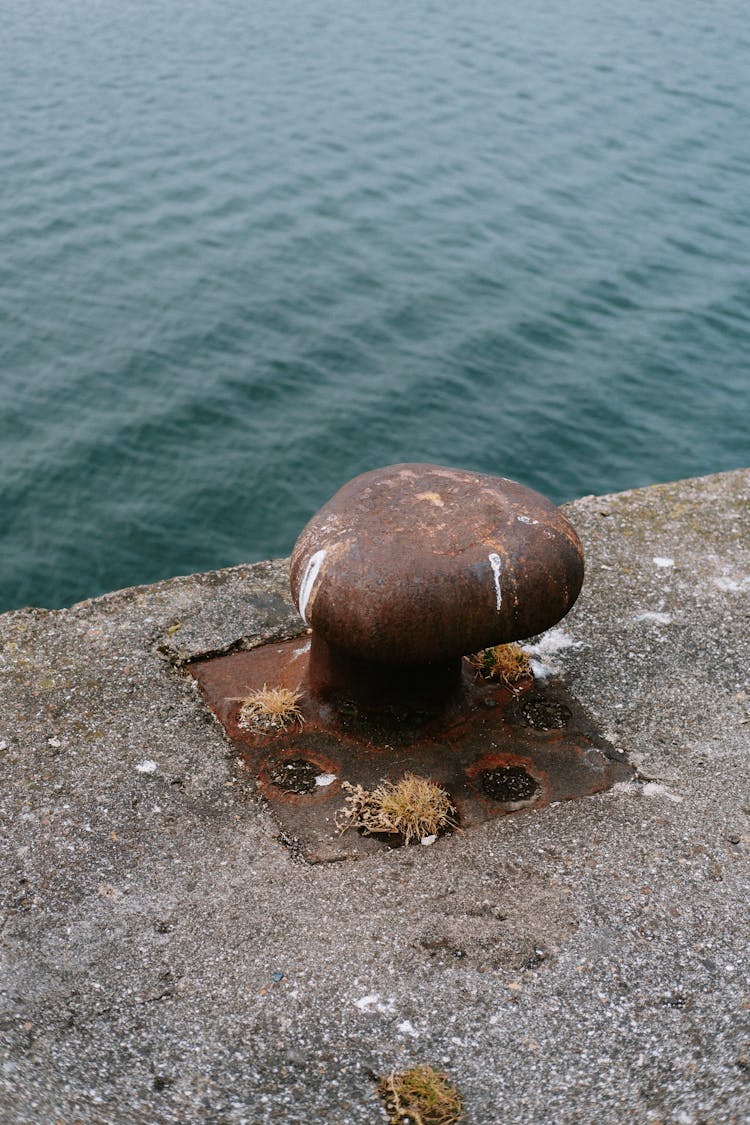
[
  {"x": 506, "y": 664},
  {"x": 420, "y": 1096},
  {"x": 412, "y": 808},
  {"x": 270, "y": 709}
]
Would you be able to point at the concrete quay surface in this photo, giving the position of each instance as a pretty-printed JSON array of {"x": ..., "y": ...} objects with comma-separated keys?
[{"x": 164, "y": 958}]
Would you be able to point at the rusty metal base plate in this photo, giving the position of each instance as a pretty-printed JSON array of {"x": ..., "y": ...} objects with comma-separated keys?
[{"x": 496, "y": 749}]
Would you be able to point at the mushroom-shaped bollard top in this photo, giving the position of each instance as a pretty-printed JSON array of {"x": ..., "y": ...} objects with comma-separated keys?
[{"x": 416, "y": 564}]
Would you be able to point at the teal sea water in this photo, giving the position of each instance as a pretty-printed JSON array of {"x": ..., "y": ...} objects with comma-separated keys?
[{"x": 250, "y": 250}]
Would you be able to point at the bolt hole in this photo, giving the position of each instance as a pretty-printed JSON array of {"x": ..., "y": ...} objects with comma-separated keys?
[
  {"x": 545, "y": 714},
  {"x": 295, "y": 776},
  {"x": 509, "y": 784}
]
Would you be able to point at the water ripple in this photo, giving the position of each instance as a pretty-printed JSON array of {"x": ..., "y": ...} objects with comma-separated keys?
[{"x": 250, "y": 251}]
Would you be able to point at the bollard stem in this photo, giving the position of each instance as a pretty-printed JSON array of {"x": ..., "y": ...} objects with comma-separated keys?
[{"x": 334, "y": 673}]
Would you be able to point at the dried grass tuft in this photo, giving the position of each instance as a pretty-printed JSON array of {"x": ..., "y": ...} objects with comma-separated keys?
[
  {"x": 270, "y": 709},
  {"x": 413, "y": 808},
  {"x": 506, "y": 664},
  {"x": 420, "y": 1096}
]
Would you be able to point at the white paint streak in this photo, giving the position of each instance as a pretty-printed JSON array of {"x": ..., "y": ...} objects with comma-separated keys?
[
  {"x": 550, "y": 643},
  {"x": 373, "y": 1003},
  {"x": 544, "y": 654},
  {"x": 662, "y": 561},
  {"x": 325, "y": 779},
  {"x": 309, "y": 578},
  {"x": 657, "y": 618},
  {"x": 650, "y": 789},
  {"x": 366, "y": 1002},
  {"x": 497, "y": 565},
  {"x": 147, "y": 766},
  {"x": 731, "y": 585},
  {"x": 653, "y": 789},
  {"x": 526, "y": 519}
]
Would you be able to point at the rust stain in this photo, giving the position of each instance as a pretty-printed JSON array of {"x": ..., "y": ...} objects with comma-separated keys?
[{"x": 497, "y": 750}]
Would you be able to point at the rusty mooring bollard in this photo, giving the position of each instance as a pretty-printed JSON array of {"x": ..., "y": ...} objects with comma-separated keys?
[
  {"x": 403, "y": 573},
  {"x": 410, "y": 567}
]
